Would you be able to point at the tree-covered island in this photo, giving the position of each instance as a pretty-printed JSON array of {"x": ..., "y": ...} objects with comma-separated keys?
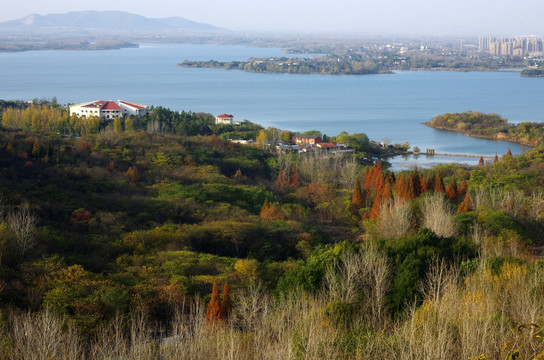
[
  {"x": 490, "y": 126},
  {"x": 324, "y": 64}
]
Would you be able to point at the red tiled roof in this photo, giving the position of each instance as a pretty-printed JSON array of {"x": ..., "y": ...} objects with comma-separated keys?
[
  {"x": 225, "y": 116},
  {"x": 110, "y": 105},
  {"x": 136, "y": 106},
  {"x": 103, "y": 105},
  {"x": 326, "y": 145}
]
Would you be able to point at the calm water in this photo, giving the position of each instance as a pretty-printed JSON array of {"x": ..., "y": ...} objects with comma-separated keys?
[{"x": 382, "y": 106}]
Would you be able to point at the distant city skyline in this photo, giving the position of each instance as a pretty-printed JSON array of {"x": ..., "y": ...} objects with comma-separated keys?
[{"x": 417, "y": 17}]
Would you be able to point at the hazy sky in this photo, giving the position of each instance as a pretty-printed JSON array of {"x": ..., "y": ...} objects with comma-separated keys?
[{"x": 451, "y": 17}]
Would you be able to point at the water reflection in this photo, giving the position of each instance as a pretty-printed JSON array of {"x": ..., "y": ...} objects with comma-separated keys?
[{"x": 409, "y": 162}]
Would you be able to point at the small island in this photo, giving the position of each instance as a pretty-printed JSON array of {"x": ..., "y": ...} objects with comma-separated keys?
[
  {"x": 489, "y": 126},
  {"x": 324, "y": 64},
  {"x": 532, "y": 72}
]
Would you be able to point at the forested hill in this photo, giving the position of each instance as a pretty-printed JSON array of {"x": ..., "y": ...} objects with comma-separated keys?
[
  {"x": 490, "y": 126},
  {"x": 158, "y": 238}
]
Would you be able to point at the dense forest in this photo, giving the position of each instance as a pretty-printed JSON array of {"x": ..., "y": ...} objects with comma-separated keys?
[
  {"x": 159, "y": 238},
  {"x": 490, "y": 126}
]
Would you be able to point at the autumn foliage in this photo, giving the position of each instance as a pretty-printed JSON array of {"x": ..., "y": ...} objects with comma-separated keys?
[
  {"x": 452, "y": 191},
  {"x": 466, "y": 205},
  {"x": 271, "y": 212},
  {"x": 288, "y": 178},
  {"x": 218, "y": 309},
  {"x": 357, "y": 199}
]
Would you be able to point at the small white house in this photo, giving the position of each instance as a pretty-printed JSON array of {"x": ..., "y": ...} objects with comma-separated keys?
[{"x": 225, "y": 119}]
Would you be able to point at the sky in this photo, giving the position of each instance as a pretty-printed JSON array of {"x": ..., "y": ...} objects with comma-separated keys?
[{"x": 403, "y": 17}]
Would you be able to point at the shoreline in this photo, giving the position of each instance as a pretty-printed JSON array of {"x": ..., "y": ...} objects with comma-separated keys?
[{"x": 488, "y": 137}]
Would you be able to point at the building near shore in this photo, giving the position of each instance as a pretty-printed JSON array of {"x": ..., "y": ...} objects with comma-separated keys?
[
  {"x": 108, "y": 109},
  {"x": 225, "y": 119}
]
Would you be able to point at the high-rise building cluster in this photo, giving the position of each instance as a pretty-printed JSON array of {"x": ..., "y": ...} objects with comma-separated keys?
[{"x": 508, "y": 46}]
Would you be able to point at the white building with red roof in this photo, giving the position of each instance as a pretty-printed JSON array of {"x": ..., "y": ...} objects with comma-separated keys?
[
  {"x": 132, "y": 109},
  {"x": 108, "y": 109},
  {"x": 224, "y": 119}
]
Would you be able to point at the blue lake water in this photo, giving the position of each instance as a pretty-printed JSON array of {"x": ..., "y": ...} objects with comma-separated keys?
[{"x": 382, "y": 106}]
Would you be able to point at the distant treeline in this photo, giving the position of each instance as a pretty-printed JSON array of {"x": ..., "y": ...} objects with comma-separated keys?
[
  {"x": 53, "y": 44},
  {"x": 490, "y": 126}
]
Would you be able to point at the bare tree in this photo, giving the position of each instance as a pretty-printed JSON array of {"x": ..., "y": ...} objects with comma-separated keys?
[
  {"x": 438, "y": 279},
  {"x": 438, "y": 215},
  {"x": 23, "y": 223},
  {"x": 42, "y": 336},
  {"x": 362, "y": 276},
  {"x": 536, "y": 204},
  {"x": 349, "y": 173},
  {"x": 513, "y": 202},
  {"x": 395, "y": 219}
]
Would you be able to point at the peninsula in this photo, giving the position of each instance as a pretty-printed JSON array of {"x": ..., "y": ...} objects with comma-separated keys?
[{"x": 489, "y": 126}]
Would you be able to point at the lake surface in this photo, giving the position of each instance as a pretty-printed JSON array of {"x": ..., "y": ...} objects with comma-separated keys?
[{"x": 385, "y": 107}]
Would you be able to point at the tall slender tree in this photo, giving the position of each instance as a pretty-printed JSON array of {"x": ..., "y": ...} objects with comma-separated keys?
[
  {"x": 226, "y": 305},
  {"x": 214, "y": 306},
  {"x": 463, "y": 188},
  {"x": 495, "y": 159},
  {"x": 414, "y": 184},
  {"x": 439, "y": 183},
  {"x": 357, "y": 201},
  {"x": 451, "y": 190}
]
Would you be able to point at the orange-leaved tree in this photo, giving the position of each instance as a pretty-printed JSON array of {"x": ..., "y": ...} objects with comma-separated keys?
[
  {"x": 439, "y": 183},
  {"x": 226, "y": 305},
  {"x": 214, "y": 306},
  {"x": 357, "y": 200},
  {"x": 466, "y": 205},
  {"x": 451, "y": 190}
]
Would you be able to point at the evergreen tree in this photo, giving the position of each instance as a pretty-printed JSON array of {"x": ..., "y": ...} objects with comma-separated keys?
[
  {"x": 401, "y": 188},
  {"x": 466, "y": 205},
  {"x": 423, "y": 181},
  {"x": 509, "y": 152},
  {"x": 431, "y": 183},
  {"x": 481, "y": 161},
  {"x": 414, "y": 185},
  {"x": 495, "y": 159},
  {"x": 451, "y": 190},
  {"x": 226, "y": 305},
  {"x": 214, "y": 306},
  {"x": 294, "y": 178},
  {"x": 463, "y": 188},
  {"x": 376, "y": 206},
  {"x": 439, "y": 183},
  {"x": 366, "y": 178},
  {"x": 357, "y": 200},
  {"x": 282, "y": 181},
  {"x": 387, "y": 194},
  {"x": 391, "y": 178}
]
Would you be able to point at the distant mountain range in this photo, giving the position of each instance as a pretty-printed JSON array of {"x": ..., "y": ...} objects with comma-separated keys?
[{"x": 102, "y": 21}]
